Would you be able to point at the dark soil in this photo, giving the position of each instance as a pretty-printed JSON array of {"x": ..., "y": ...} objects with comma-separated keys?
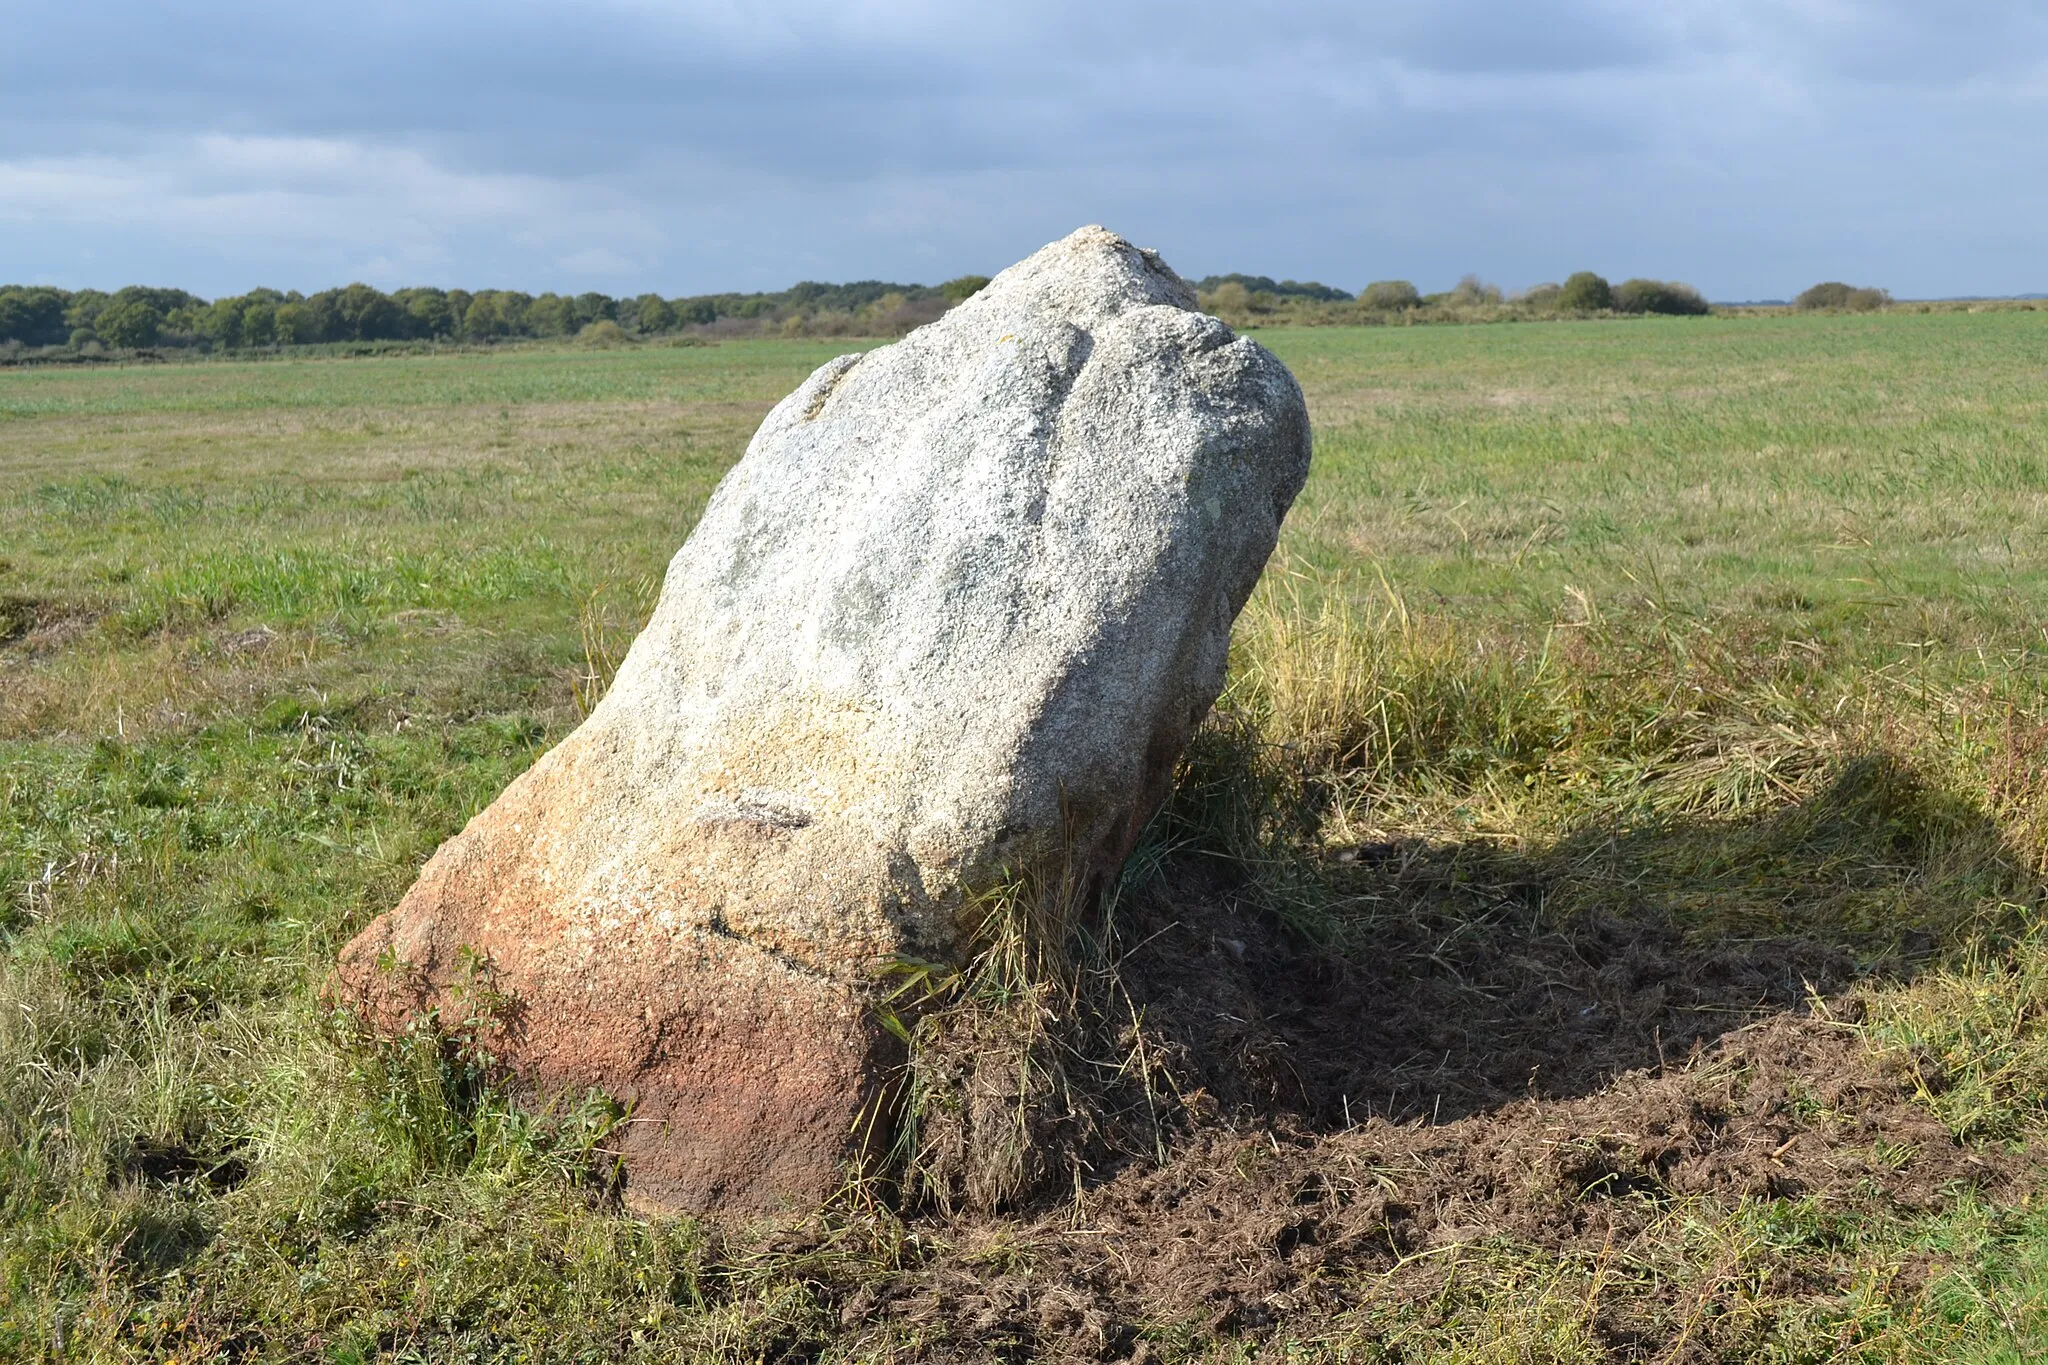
[
  {"x": 1478, "y": 1077},
  {"x": 1463, "y": 1002},
  {"x": 1248, "y": 1230},
  {"x": 162, "y": 1162}
]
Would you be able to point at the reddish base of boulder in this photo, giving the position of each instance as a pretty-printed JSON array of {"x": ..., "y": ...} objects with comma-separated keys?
[{"x": 751, "y": 1083}]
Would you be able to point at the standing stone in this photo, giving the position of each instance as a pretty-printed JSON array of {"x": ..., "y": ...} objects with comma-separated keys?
[{"x": 951, "y": 620}]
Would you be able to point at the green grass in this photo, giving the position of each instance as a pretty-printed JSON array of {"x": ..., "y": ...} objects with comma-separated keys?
[
  {"x": 515, "y": 377},
  {"x": 1739, "y": 619},
  {"x": 1821, "y": 477}
]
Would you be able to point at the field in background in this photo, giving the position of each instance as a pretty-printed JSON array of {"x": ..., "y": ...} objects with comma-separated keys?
[{"x": 1732, "y": 628}]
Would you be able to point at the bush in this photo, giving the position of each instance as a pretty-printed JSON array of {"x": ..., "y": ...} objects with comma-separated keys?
[
  {"x": 1229, "y": 297},
  {"x": 1585, "y": 292},
  {"x": 1472, "y": 291},
  {"x": 1543, "y": 296},
  {"x": 1390, "y": 295},
  {"x": 603, "y": 333},
  {"x": 883, "y": 309},
  {"x": 1659, "y": 296},
  {"x": 1833, "y": 294}
]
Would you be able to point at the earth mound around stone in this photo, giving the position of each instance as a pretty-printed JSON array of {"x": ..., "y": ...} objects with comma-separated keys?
[{"x": 948, "y": 624}]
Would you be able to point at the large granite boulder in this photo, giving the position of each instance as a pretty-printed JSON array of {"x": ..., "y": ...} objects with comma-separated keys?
[{"x": 950, "y": 621}]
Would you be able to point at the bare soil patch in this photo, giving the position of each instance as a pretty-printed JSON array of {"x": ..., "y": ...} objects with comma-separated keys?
[{"x": 1343, "y": 1123}]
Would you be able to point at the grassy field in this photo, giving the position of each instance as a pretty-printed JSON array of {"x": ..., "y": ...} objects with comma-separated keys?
[{"x": 1723, "y": 636}]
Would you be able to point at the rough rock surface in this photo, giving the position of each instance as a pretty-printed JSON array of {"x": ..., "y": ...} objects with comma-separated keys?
[{"x": 951, "y": 619}]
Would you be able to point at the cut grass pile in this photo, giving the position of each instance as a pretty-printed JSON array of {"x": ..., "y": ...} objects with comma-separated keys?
[{"x": 1636, "y": 718}]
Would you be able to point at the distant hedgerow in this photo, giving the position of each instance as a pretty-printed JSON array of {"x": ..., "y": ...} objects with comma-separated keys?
[
  {"x": 964, "y": 288},
  {"x": 1279, "y": 289},
  {"x": 1848, "y": 298}
]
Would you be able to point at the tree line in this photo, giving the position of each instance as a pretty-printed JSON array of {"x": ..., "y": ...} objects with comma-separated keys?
[
  {"x": 1252, "y": 300},
  {"x": 139, "y": 316}
]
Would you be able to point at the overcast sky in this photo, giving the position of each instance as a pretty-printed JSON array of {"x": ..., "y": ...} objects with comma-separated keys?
[{"x": 1747, "y": 146}]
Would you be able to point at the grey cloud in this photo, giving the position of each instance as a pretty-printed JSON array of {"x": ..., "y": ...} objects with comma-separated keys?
[{"x": 1745, "y": 143}]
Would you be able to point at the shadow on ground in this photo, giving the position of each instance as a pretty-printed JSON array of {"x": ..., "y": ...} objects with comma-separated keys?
[
  {"x": 1525, "y": 1053},
  {"x": 1466, "y": 977}
]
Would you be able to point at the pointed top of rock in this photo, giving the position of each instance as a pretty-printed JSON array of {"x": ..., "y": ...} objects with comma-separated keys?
[{"x": 1086, "y": 277}]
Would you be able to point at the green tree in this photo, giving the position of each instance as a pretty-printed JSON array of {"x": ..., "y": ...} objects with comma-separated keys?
[
  {"x": 1390, "y": 296},
  {"x": 165, "y": 301},
  {"x": 1472, "y": 291},
  {"x": 513, "y": 307},
  {"x": 1585, "y": 292},
  {"x": 362, "y": 313},
  {"x": 317, "y": 320},
  {"x": 1658, "y": 296},
  {"x": 133, "y": 322},
  {"x": 259, "y": 322},
  {"x": 33, "y": 315},
  {"x": 494, "y": 313},
  {"x": 551, "y": 315},
  {"x": 427, "y": 312},
  {"x": 85, "y": 308},
  {"x": 651, "y": 314},
  {"x": 294, "y": 324},
  {"x": 221, "y": 323}
]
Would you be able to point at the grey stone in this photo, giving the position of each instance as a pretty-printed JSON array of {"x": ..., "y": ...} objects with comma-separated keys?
[{"x": 951, "y": 620}]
